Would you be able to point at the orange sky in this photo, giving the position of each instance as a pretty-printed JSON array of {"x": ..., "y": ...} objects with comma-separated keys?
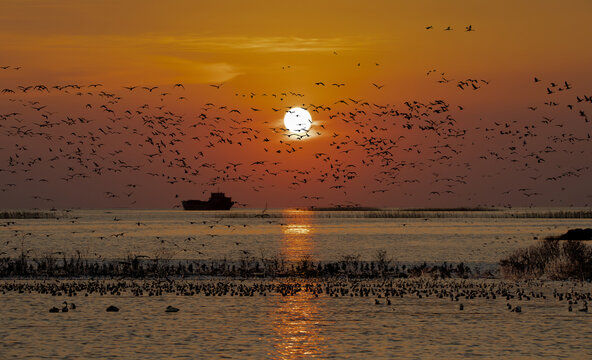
[{"x": 261, "y": 48}]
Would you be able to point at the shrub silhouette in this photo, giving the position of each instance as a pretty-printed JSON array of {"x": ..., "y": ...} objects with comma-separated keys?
[{"x": 551, "y": 258}]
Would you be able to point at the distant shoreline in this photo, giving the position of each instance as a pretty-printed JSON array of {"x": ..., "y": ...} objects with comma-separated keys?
[
  {"x": 363, "y": 208},
  {"x": 337, "y": 212}
]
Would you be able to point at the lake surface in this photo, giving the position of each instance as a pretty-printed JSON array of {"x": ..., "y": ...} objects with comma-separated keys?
[
  {"x": 322, "y": 236},
  {"x": 297, "y": 326}
]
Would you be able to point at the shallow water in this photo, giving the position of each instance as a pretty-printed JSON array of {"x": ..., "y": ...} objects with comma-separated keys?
[
  {"x": 299, "y": 326},
  {"x": 178, "y": 234}
]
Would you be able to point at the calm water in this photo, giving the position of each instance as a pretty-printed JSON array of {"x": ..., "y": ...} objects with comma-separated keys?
[
  {"x": 299, "y": 326},
  {"x": 295, "y": 234}
]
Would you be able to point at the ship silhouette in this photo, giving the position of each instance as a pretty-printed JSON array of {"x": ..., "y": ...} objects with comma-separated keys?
[{"x": 217, "y": 201}]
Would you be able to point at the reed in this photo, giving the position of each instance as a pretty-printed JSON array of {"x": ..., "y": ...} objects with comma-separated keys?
[
  {"x": 553, "y": 259},
  {"x": 461, "y": 208},
  {"x": 554, "y": 214},
  {"x": 13, "y": 215},
  {"x": 560, "y": 214},
  {"x": 142, "y": 267}
]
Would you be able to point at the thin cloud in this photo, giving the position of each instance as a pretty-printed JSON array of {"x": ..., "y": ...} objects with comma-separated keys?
[{"x": 260, "y": 44}]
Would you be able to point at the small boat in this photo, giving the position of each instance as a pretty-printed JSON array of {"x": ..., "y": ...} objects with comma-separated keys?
[{"x": 217, "y": 201}]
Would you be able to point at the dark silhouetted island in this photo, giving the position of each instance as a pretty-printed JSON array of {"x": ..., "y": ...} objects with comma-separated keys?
[{"x": 574, "y": 234}]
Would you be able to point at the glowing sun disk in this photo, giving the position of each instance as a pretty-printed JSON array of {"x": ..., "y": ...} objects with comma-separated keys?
[{"x": 297, "y": 120}]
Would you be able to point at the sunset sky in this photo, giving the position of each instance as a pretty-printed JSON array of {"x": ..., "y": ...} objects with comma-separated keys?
[{"x": 503, "y": 139}]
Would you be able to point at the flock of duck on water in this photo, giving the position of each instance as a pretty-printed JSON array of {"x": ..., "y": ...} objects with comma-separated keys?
[
  {"x": 110, "y": 308},
  {"x": 514, "y": 296}
]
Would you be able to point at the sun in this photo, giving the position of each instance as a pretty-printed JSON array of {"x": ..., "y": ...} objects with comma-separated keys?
[{"x": 297, "y": 120}]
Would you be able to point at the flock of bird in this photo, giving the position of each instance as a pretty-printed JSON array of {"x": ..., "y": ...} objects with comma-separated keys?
[
  {"x": 143, "y": 132},
  {"x": 195, "y": 242},
  {"x": 449, "y": 28},
  {"x": 515, "y": 297}
]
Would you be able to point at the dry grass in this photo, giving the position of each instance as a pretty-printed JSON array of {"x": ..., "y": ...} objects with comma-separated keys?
[
  {"x": 140, "y": 267},
  {"x": 553, "y": 259}
]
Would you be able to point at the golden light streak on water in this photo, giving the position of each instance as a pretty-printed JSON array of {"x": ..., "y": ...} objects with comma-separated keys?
[
  {"x": 297, "y": 243},
  {"x": 296, "y": 318},
  {"x": 297, "y": 328}
]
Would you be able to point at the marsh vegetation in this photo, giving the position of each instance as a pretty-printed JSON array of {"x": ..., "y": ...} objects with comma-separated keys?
[{"x": 550, "y": 258}]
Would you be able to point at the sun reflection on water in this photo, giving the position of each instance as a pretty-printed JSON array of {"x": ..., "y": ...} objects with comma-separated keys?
[
  {"x": 296, "y": 318},
  {"x": 298, "y": 231},
  {"x": 297, "y": 328}
]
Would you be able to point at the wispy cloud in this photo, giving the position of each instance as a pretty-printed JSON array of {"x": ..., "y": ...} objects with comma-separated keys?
[
  {"x": 194, "y": 58},
  {"x": 198, "y": 72},
  {"x": 260, "y": 44}
]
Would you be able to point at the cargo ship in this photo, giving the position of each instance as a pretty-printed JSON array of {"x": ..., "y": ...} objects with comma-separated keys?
[{"x": 217, "y": 201}]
